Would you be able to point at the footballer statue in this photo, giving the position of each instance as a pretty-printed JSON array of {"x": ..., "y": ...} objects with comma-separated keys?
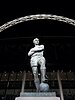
[{"x": 37, "y": 58}]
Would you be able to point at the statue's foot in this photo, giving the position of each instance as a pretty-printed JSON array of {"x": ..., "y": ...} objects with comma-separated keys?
[
  {"x": 37, "y": 90},
  {"x": 44, "y": 80}
]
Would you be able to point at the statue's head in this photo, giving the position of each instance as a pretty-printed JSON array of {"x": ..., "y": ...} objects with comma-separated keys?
[{"x": 36, "y": 41}]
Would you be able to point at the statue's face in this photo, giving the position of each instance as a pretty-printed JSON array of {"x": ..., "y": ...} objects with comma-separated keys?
[{"x": 36, "y": 41}]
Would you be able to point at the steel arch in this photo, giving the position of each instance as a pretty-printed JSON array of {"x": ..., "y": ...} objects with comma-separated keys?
[{"x": 37, "y": 17}]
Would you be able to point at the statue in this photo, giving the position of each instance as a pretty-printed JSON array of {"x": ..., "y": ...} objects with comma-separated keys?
[{"x": 37, "y": 58}]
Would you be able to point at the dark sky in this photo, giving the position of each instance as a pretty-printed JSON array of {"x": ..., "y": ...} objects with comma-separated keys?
[{"x": 10, "y": 10}]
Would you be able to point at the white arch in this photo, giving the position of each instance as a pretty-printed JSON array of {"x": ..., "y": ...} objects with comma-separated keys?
[{"x": 36, "y": 17}]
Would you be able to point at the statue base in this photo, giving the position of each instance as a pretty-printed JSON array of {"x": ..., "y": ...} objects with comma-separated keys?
[{"x": 37, "y": 96}]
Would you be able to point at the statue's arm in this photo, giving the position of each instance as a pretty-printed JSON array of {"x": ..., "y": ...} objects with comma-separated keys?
[
  {"x": 30, "y": 52},
  {"x": 38, "y": 48}
]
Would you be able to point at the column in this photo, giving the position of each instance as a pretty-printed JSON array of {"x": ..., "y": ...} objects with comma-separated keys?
[
  {"x": 60, "y": 86},
  {"x": 23, "y": 81}
]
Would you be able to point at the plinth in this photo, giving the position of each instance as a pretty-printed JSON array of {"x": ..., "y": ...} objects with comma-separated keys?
[{"x": 37, "y": 96}]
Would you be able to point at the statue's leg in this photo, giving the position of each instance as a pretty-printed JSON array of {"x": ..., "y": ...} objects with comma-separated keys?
[
  {"x": 43, "y": 70},
  {"x": 43, "y": 75},
  {"x": 36, "y": 79}
]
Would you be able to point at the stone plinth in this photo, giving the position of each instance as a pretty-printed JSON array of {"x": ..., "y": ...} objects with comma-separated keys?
[{"x": 37, "y": 96}]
